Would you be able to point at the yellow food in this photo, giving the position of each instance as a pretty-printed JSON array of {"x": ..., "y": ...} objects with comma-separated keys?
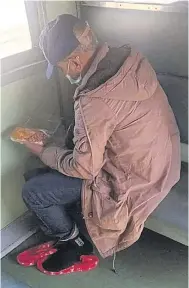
[{"x": 22, "y": 135}]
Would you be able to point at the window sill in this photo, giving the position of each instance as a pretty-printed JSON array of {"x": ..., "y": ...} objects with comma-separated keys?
[
  {"x": 22, "y": 65},
  {"x": 21, "y": 59},
  {"x": 23, "y": 72}
]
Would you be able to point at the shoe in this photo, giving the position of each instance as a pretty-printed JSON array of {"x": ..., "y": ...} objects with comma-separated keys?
[
  {"x": 73, "y": 255},
  {"x": 86, "y": 263},
  {"x": 30, "y": 256}
]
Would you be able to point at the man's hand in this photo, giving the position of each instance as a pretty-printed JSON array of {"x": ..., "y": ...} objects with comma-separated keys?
[{"x": 34, "y": 148}]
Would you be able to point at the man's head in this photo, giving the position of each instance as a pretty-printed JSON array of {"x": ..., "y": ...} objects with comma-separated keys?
[{"x": 68, "y": 43}]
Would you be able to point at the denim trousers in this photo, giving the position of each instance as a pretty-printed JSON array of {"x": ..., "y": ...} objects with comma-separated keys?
[{"x": 55, "y": 200}]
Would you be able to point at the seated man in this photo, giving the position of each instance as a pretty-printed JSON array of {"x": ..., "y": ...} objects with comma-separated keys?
[{"x": 125, "y": 155}]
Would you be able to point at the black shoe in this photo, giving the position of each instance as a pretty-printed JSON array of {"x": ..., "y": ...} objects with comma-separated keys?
[{"x": 68, "y": 253}]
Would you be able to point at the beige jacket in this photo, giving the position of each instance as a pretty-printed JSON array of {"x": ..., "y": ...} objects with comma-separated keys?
[{"x": 127, "y": 148}]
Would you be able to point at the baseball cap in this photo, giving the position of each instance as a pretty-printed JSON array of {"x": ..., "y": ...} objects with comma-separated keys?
[{"x": 57, "y": 40}]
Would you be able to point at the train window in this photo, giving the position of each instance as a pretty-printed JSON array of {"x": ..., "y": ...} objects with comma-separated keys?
[
  {"x": 148, "y": 5},
  {"x": 20, "y": 26},
  {"x": 150, "y": 1},
  {"x": 14, "y": 33}
]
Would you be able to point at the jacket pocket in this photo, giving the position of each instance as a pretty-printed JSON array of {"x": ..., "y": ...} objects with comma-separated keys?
[{"x": 108, "y": 213}]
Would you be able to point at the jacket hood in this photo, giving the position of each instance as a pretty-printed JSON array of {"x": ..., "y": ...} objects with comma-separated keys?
[{"x": 135, "y": 75}]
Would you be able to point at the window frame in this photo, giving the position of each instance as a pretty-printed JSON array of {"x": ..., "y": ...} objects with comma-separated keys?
[
  {"x": 175, "y": 6},
  {"x": 11, "y": 65}
]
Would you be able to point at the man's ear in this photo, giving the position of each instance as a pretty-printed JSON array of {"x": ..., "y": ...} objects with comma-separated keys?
[{"x": 75, "y": 64}]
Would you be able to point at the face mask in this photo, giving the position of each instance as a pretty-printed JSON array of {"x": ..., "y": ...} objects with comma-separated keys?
[{"x": 72, "y": 80}]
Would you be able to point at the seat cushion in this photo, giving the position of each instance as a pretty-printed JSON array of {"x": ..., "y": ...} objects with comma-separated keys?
[{"x": 172, "y": 212}]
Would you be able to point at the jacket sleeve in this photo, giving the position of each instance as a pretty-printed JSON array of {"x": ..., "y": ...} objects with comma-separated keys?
[
  {"x": 94, "y": 124},
  {"x": 69, "y": 136}
]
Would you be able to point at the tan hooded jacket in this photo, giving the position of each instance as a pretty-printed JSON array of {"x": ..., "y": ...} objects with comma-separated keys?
[{"x": 127, "y": 148}]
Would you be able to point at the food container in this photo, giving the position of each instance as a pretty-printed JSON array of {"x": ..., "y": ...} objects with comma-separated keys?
[{"x": 39, "y": 131}]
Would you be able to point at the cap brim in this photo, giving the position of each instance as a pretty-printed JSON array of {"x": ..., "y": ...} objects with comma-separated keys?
[{"x": 49, "y": 71}]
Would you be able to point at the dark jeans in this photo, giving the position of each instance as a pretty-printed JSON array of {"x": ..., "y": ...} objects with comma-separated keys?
[{"x": 51, "y": 196}]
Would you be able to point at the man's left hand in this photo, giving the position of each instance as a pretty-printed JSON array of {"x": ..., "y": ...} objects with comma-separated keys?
[{"x": 34, "y": 148}]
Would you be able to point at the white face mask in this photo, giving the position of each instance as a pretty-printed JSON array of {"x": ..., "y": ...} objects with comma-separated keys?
[{"x": 72, "y": 80}]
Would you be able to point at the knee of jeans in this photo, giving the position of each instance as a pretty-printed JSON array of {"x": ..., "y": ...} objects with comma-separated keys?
[{"x": 28, "y": 193}]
